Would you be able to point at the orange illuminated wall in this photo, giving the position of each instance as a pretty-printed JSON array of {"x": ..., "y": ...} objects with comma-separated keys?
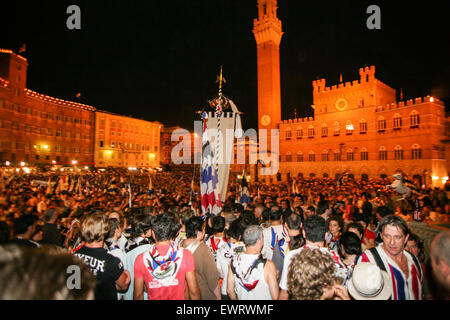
[
  {"x": 38, "y": 129},
  {"x": 268, "y": 32}
]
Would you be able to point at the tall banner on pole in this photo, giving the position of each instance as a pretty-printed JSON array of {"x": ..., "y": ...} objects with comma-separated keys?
[{"x": 220, "y": 127}]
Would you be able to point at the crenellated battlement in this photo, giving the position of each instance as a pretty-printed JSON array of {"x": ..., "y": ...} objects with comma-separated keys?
[
  {"x": 298, "y": 120},
  {"x": 408, "y": 103},
  {"x": 366, "y": 74}
]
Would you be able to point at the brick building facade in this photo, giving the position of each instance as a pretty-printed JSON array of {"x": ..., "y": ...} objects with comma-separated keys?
[
  {"x": 358, "y": 126},
  {"x": 41, "y": 130},
  {"x": 38, "y": 129}
]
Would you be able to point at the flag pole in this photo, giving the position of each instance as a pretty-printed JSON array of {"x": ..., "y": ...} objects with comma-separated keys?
[{"x": 192, "y": 186}]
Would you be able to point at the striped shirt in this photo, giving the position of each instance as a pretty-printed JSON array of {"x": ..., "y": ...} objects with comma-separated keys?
[{"x": 403, "y": 288}]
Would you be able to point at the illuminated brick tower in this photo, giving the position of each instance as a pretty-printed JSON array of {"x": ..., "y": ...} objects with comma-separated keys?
[{"x": 268, "y": 33}]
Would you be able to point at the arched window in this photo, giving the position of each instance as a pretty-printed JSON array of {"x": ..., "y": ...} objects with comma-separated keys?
[
  {"x": 325, "y": 175},
  {"x": 299, "y": 156},
  {"x": 414, "y": 119},
  {"x": 416, "y": 152},
  {"x": 349, "y": 128},
  {"x": 288, "y": 133},
  {"x": 299, "y": 132},
  {"x": 381, "y": 124},
  {"x": 325, "y": 155},
  {"x": 324, "y": 130},
  {"x": 363, "y": 126},
  {"x": 397, "y": 121},
  {"x": 382, "y": 153},
  {"x": 398, "y": 153},
  {"x": 349, "y": 155},
  {"x": 288, "y": 157},
  {"x": 311, "y": 156},
  {"x": 336, "y": 130},
  {"x": 311, "y": 132},
  {"x": 364, "y": 154},
  {"x": 337, "y": 155}
]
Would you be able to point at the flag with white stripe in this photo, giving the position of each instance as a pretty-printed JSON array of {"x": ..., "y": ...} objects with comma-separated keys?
[{"x": 210, "y": 198}]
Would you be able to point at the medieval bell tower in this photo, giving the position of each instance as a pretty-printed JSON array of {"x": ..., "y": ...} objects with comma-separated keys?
[{"x": 268, "y": 32}]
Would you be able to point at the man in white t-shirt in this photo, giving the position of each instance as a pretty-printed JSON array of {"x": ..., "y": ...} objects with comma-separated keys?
[
  {"x": 314, "y": 230},
  {"x": 274, "y": 234},
  {"x": 229, "y": 251},
  {"x": 251, "y": 277}
]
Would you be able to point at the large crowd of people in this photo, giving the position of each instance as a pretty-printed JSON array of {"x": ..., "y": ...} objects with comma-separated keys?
[{"x": 128, "y": 234}]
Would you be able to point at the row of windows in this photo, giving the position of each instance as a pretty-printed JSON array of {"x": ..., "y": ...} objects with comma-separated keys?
[
  {"x": 43, "y": 131},
  {"x": 381, "y": 126},
  {"x": 27, "y": 146},
  {"x": 136, "y": 156},
  {"x": 128, "y": 146},
  {"x": 44, "y": 115},
  {"x": 47, "y": 158},
  {"x": 416, "y": 153},
  {"x": 117, "y": 124}
]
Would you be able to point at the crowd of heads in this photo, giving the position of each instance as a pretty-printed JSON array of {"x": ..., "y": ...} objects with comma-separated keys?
[{"x": 101, "y": 209}]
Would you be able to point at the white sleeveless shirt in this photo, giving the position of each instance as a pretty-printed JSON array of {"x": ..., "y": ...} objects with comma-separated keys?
[{"x": 246, "y": 277}]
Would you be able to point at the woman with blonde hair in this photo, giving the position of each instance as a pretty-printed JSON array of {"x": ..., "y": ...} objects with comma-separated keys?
[
  {"x": 108, "y": 270},
  {"x": 311, "y": 276}
]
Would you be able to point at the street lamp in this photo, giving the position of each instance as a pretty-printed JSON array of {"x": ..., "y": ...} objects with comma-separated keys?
[
  {"x": 22, "y": 163},
  {"x": 7, "y": 163},
  {"x": 74, "y": 162}
]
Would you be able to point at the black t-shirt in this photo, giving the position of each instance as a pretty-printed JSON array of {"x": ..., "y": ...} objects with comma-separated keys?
[
  {"x": 51, "y": 235},
  {"x": 105, "y": 267}
]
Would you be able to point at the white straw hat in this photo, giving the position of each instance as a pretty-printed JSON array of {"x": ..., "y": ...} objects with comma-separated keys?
[{"x": 369, "y": 282}]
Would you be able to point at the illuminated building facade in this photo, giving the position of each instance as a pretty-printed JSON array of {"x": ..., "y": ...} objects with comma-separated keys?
[
  {"x": 186, "y": 151},
  {"x": 167, "y": 144},
  {"x": 122, "y": 141},
  {"x": 358, "y": 127},
  {"x": 38, "y": 129}
]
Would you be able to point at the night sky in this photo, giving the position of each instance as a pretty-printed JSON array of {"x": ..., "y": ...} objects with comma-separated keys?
[{"x": 158, "y": 60}]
